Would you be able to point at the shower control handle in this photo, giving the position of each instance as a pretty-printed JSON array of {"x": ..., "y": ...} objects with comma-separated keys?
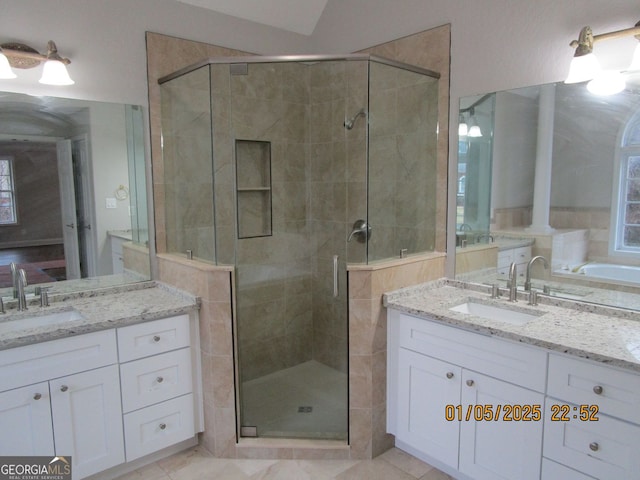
[{"x": 361, "y": 230}]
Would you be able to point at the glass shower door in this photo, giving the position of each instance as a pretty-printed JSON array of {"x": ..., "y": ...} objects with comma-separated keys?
[{"x": 296, "y": 197}]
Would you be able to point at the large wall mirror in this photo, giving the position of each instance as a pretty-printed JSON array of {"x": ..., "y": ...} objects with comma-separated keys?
[
  {"x": 552, "y": 170},
  {"x": 73, "y": 202}
]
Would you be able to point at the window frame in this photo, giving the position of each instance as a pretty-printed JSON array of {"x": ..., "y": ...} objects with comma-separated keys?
[
  {"x": 625, "y": 151},
  {"x": 12, "y": 191}
]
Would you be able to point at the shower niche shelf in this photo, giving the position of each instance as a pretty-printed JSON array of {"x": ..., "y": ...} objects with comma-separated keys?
[{"x": 253, "y": 188}]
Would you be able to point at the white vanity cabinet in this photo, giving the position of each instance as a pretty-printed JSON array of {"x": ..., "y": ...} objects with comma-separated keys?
[
  {"x": 604, "y": 443},
  {"x": 25, "y": 421},
  {"x": 87, "y": 421},
  {"x": 435, "y": 371},
  {"x": 104, "y": 398},
  {"x": 157, "y": 385},
  {"x": 520, "y": 256},
  {"x": 73, "y": 409}
]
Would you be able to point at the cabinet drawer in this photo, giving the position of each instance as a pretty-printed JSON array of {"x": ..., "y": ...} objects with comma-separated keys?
[
  {"x": 43, "y": 361},
  {"x": 155, "y": 379},
  {"x": 158, "y": 426},
  {"x": 607, "y": 449},
  {"x": 578, "y": 381},
  {"x": 522, "y": 254},
  {"x": 555, "y": 471},
  {"x": 151, "y": 338},
  {"x": 512, "y": 362},
  {"x": 505, "y": 258}
]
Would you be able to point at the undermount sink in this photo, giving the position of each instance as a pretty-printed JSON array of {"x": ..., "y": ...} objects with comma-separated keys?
[
  {"x": 40, "y": 320},
  {"x": 493, "y": 312}
]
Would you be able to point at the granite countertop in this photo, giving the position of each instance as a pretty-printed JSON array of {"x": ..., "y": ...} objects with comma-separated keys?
[
  {"x": 101, "y": 309},
  {"x": 603, "y": 334}
]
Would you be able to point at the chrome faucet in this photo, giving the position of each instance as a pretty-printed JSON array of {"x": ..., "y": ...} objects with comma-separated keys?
[
  {"x": 527, "y": 282},
  {"x": 482, "y": 236},
  {"x": 14, "y": 278},
  {"x": 22, "y": 283},
  {"x": 512, "y": 285}
]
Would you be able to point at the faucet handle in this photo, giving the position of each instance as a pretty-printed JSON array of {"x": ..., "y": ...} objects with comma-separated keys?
[{"x": 44, "y": 296}]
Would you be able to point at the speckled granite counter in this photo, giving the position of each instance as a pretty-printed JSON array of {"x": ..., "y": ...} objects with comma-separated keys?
[
  {"x": 603, "y": 334},
  {"x": 101, "y": 309}
]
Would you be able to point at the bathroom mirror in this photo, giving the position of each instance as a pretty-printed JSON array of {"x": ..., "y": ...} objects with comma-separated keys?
[
  {"x": 581, "y": 217},
  {"x": 73, "y": 208}
]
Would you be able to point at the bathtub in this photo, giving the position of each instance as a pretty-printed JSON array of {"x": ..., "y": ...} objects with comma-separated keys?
[{"x": 607, "y": 271}]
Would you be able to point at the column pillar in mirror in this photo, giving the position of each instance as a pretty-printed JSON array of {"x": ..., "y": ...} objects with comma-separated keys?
[{"x": 544, "y": 156}]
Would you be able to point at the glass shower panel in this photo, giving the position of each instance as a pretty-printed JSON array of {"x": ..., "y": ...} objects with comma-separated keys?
[
  {"x": 403, "y": 122},
  {"x": 188, "y": 170},
  {"x": 137, "y": 179}
]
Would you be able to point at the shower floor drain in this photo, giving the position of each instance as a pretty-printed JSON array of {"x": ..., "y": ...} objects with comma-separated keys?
[{"x": 305, "y": 409}]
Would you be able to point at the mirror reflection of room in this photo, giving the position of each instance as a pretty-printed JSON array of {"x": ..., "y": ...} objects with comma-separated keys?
[
  {"x": 69, "y": 206},
  {"x": 552, "y": 174}
]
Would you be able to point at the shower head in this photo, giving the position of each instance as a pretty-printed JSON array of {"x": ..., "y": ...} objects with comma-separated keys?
[{"x": 348, "y": 122}]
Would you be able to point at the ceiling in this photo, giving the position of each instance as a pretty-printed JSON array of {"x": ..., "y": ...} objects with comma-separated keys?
[{"x": 292, "y": 15}]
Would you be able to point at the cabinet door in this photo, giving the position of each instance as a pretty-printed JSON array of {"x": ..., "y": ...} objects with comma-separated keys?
[
  {"x": 425, "y": 387},
  {"x": 25, "y": 421},
  {"x": 87, "y": 419},
  {"x": 498, "y": 449}
]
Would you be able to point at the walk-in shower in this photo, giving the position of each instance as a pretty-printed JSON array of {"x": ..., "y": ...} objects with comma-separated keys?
[{"x": 271, "y": 164}]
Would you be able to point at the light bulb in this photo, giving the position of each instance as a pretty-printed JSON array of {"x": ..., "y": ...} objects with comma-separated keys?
[{"x": 608, "y": 82}]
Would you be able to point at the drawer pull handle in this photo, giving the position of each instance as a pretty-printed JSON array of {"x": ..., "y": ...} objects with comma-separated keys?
[
  {"x": 163, "y": 426},
  {"x": 64, "y": 388},
  {"x": 598, "y": 390},
  {"x": 594, "y": 446},
  {"x": 37, "y": 396},
  {"x": 159, "y": 379},
  {"x": 470, "y": 383},
  {"x": 156, "y": 338},
  {"x": 449, "y": 374}
]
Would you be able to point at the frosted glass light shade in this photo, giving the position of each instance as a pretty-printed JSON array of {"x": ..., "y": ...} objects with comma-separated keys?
[
  {"x": 635, "y": 63},
  {"x": 5, "y": 68},
  {"x": 55, "y": 73},
  {"x": 608, "y": 82},
  {"x": 583, "y": 68},
  {"x": 475, "y": 131},
  {"x": 463, "y": 129}
]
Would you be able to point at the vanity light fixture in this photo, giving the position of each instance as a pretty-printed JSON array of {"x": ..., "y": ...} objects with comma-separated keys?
[
  {"x": 585, "y": 66},
  {"x": 18, "y": 55},
  {"x": 463, "y": 128},
  {"x": 474, "y": 129}
]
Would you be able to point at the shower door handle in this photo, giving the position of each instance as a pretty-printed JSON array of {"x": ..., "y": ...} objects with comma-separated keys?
[{"x": 335, "y": 276}]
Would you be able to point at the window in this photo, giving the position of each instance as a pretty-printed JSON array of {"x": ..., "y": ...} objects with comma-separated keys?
[
  {"x": 627, "y": 218},
  {"x": 7, "y": 193}
]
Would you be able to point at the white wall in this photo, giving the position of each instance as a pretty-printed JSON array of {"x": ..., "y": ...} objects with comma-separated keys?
[{"x": 105, "y": 40}]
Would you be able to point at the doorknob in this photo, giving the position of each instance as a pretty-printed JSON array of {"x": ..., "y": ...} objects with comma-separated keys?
[{"x": 71, "y": 225}]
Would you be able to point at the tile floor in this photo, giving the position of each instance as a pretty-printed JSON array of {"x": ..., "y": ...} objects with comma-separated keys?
[
  {"x": 272, "y": 403},
  {"x": 198, "y": 464}
]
